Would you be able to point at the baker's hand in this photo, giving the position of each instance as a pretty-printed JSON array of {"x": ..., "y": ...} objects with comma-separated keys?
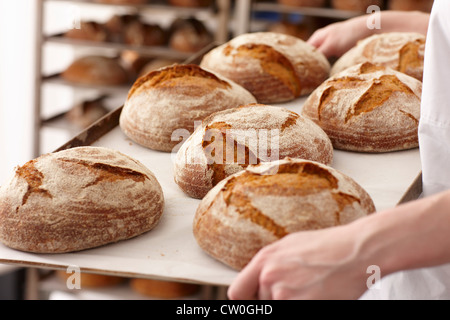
[
  {"x": 336, "y": 39},
  {"x": 314, "y": 265}
]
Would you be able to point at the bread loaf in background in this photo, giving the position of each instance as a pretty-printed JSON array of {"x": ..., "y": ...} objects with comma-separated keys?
[
  {"x": 228, "y": 141},
  {"x": 78, "y": 199},
  {"x": 411, "y": 5},
  {"x": 401, "y": 51},
  {"x": 264, "y": 203},
  {"x": 92, "y": 280},
  {"x": 274, "y": 67},
  {"x": 189, "y": 35},
  {"x": 304, "y": 3},
  {"x": 163, "y": 289},
  {"x": 368, "y": 108},
  {"x": 96, "y": 70},
  {"x": 163, "y": 106},
  {"x": 190, "y": 3},
  {"x": 355, "y": 5},
  {"x": 88, "y": 30}
]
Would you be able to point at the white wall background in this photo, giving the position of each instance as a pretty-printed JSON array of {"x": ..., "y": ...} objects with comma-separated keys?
[{"x": 17, "y": 19}]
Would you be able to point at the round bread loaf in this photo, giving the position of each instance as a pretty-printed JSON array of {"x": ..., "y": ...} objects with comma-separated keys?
[
  {"x": 163, "y": 289},
  {"x": 138, "y": 33},
  {"x": 355, "y": 5},
  {"x": 96, "y": 70},
  {"x": 368, "y": 108},
  {"x": 274, "y": 67},
  {"x": 303, "y": 3},
  {"x": 78, "y": 199},
  {"x": 411, "y": 5},
  {"x": 88, "y": 30},
  {"x": 401, "y": 51},
  {"x": 189, "y": 35},
  {"x": 264, "y": 203},
  {"x": 164, "y": 105},
  {"x": 228, "y": 141}
]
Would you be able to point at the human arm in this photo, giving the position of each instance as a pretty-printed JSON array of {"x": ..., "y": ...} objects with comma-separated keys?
[
  {"x": 337, "y": 38},
  {"x": 332, "y": 263}
]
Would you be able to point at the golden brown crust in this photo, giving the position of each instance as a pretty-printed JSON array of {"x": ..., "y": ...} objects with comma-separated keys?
[
  {"x": 368, "y": 108},
  {"x": 401, "y": 51},
  {"x": 96, "y": 70},
  {"x": 166, "y": 101},
  {"x": 190, "y": 3},
  {"x": 163, "y": 289},
  {"x": 74, "y": 200},
  {"x": 231, "y": 140},
  {"x": 262, "y": 204},
  {"x": 274, "y": 67},
  {"x": 92, "y": 280}
]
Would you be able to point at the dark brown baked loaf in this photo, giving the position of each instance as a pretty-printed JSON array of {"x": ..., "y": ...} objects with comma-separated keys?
[
  {"x": 228, "y": 141},
  {"x": 303, "y": 3},
  {"x": 401, "y": 51},
  {"x": 355, "y": 5},
  {"x": 138, "y": 33},
  {"x": 264, "y": 203},
  {"x": 368, "y": 108},
  {"x": 96, "y": 70},
  {"x": 411, "y": 5},
  {"x": 189, "y": 35},
  {"x": 190, "y": 3},
  {"x": 163, "y": 105},
  {"x": 78, "y": 199},
  {"x": 88, "y": 30},
  {"x": 274, "y": 67},
  {"x": 163, "y": 289}
]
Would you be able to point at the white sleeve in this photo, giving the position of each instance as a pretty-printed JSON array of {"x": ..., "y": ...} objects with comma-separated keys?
[{"x": 434, "y": 126}]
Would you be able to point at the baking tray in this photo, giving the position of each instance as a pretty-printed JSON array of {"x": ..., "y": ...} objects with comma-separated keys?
[{"x": 170, "y": 252}]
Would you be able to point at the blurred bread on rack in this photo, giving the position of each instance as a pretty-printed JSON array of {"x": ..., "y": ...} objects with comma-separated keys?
[
  {"x": 123, "y": 1},
  {"x": 303, "y": 3},
  {"x": 138, "y": 33},
  {"x": 190, "y": 3},
  {"x": 85, "y": 113},
  {"x": 355, "y": 5},
  {"x": 96, "y": 70},
  {"x": 189, "y": 35},
  {"x": 163, "y": 289},
  {"x": 411, "y": 5},
  {"x": 92, "y": 280},
  {"x": 88, "y": 30},
  {"x": 117, "y": 24},
  {"x": 298, "y": 30}
]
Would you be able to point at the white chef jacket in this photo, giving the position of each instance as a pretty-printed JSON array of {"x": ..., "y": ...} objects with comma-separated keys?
[{"x": 434, "y": 139}]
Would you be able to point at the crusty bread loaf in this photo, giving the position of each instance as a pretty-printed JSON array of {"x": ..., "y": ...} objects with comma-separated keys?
[
  {"x": 411, "y": 5},
  {"x": 299, "y": 30},
  {"x": 303, "y": 3},
  {"x": 88, "y": 30},
  {"x": 92, "y": 280},
  {"x": 401, "y": 51},
  {"x": 163, "y": 105},
  {"x": 368, "y": 108},
  {"x": 156, "y": 64},
  {"x": 274, "y": 67},
  {"x": 96, "y": 70},
  {"x": 228, "y": 141},
  {"x": 163, "y": 289},
  {"x": 355, "y": 5},
  {"x": 78, "y": 199},
  {"x": 264, "y": 203},
  {"x": 189, "y": 35}
]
